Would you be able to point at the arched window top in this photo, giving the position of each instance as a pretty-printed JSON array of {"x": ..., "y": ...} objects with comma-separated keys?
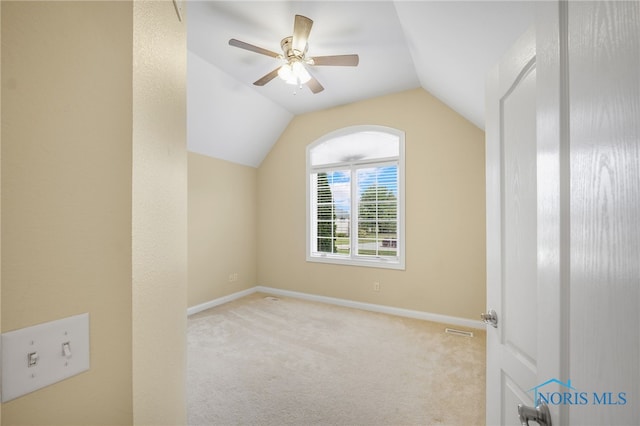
[
  {"x": 355, "y": 197},
  {"x": 354, "y": 144}
]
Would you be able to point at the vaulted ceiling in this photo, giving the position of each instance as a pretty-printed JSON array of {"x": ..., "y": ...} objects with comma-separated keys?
[{"x": 445, "y": 47}]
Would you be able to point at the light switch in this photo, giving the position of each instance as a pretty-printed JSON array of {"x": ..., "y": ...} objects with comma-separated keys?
[
  {"x": 32, "y": 359},
  {"x": 66, "y": 350},
  {"x": 38, "y": 356}
]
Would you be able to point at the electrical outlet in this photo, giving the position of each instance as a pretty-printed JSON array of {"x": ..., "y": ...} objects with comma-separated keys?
[
  {"x": 230, "y": 278},
  {"x": 376, "y": 286},
  {"x": 233, "y": 277}
]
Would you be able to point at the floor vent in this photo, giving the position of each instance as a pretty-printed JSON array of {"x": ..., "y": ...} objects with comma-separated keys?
[
  {"x": 458, "y": 332},
  {"x": 272, "y": 299}
]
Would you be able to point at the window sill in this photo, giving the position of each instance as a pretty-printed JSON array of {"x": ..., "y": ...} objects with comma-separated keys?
[{"x": 369, "y": 263}]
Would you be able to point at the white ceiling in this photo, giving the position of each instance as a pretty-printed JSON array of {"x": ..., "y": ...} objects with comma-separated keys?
[{"x": 445, "y": 47}]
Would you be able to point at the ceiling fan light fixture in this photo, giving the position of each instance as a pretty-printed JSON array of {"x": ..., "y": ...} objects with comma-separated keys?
[
  {"x": 285, "y": 72},
  {"x": 294, "y": 72},
  {"x": 300, "y": 71}
]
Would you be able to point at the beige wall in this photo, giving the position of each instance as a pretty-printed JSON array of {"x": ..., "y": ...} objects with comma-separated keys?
[
  {"x": 159, "y": 214},
  {"x": 94, "y": 201},
  {"x": 445, "y": 216},
  {"x": 66, "y": 195},
  {"x": 223, "y": 219}
]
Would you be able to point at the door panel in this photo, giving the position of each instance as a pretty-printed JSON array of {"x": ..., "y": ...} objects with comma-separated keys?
[
  {"x": 519, "y": 253},
  {"x": 513, "y": 395},
  {"x": 514, "y": 347},
  {"x": 586, "y": 305}
]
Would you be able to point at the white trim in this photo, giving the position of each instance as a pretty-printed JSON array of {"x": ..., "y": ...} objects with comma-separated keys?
[
  {"x": 352, "y": 259},
  {"x": 219, "y": 301},
  {"x": 407, "y": 313},
  {"x": 373, "y": 262}
]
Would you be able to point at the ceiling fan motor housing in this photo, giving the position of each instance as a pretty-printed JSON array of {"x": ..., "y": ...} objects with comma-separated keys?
[{"x": 289, "y": 52}]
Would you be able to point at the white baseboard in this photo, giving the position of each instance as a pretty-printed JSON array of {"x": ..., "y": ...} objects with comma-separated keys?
[
  {"x": 408, "y": 313},
  {"x": 219, "y": 301}
]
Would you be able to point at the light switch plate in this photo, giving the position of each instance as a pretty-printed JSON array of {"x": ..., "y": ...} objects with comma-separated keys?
[{"x": 23, "y": 372}]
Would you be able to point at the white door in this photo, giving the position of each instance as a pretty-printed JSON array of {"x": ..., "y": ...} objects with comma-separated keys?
[
  {"x": 523, "y": 350},
  {"x": 604, "y": 174},
  {"x": 563, "y": 217}
]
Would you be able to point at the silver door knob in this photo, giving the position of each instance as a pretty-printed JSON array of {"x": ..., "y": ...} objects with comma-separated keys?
[
  {"x": 490, "y": 318},
  {"x": 540, "y": 414}
]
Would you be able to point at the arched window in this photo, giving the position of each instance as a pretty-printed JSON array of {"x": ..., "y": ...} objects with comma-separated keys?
[{"x": 355, "y": 197}]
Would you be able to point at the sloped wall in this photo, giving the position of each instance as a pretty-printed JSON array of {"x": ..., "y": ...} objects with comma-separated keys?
[{"x": 445, "y": 210}]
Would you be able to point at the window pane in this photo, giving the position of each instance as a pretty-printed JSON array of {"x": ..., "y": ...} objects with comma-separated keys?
[
  {"x": 333, "y": 211},
  {"x": 377, "y": 211},
  {"x": 374, "y": 247}
]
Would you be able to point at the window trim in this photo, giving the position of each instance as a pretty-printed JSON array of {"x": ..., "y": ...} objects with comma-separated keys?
[{"x": 354, "y": 260}]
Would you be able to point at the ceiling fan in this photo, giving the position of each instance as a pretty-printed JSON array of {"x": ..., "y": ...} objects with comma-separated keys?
[{"x": 294, "y": 48}]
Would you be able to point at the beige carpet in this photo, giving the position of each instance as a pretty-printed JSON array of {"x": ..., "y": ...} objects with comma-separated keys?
[{"x": 279, "y": 361}]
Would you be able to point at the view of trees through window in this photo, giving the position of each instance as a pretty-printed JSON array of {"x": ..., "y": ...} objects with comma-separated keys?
[
  {"x": 327, "y": 228},
  {"x": 376, "y": 207},
  {"x": 378, "y": 211},
  {"x": 355, "y": 197}
]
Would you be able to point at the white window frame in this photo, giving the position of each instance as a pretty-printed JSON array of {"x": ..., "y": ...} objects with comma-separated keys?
[{"x": 353, "y": 259}]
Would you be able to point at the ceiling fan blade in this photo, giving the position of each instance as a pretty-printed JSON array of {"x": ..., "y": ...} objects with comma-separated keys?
[
  {"x": 251, "y": 47},
  {"x": 337, "y": 60},
  {"x": 267, "y": 78},
  {"x": 301, "y": 29},
  {"x": 314, "y": 85}
]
